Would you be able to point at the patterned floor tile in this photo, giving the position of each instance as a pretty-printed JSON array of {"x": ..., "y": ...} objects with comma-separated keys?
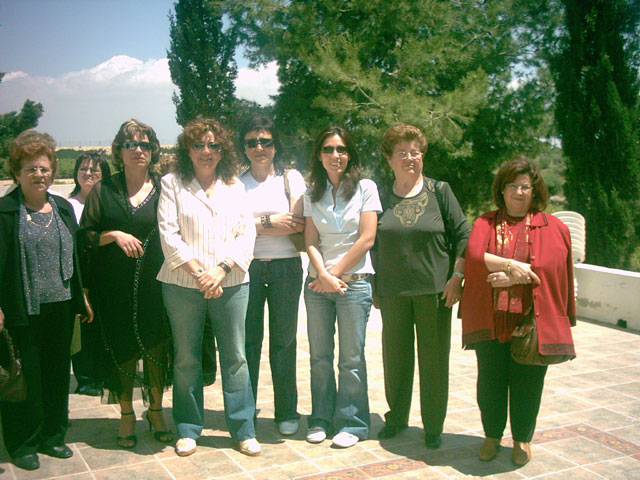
[
  {"x": 382, "y": 469},
  {"x": 346, "y": 474},
  {"x": 607, "y": 439}
]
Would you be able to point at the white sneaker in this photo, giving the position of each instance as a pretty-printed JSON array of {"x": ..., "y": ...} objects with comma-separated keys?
[
  {"x": 288, "y": 427},
  {"x": 316, "y": 435},
  {"x": 250, "y": 447},
  {"x": 186, "y": 446},
  {"x": 345, "y": 440}
]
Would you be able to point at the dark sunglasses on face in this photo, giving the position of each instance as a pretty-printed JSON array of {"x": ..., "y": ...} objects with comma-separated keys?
[
  {"x": 213, "y": 147},
  {"x": 263, "y": 141},
  {"x": 341, "y": 149},
  {"x": 134, "y": 145}
]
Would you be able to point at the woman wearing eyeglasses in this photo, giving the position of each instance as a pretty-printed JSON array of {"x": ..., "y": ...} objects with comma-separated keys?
[
  {"x": 121, "y": 246},
  {"x": 340, "y": 208},
  {"x": 421, "y": 233},
  {"x": 207, "y": 236},
  {"x": 276, "y": 269},
  {"x": 518, "y": 264},
  {"x": 89, "y": 169}
]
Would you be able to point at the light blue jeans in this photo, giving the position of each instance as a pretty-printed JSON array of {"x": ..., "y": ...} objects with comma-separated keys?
[
  {"x": 187, "y": 309},
  {"x": 347, "y": 408}
]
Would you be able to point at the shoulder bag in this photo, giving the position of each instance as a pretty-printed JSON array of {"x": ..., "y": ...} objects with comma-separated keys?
[
  {"x": 524, "y": 345},
  {"x": 13, "y": 386}
]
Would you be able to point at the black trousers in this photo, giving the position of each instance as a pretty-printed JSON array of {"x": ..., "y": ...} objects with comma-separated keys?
[
  {"x": 502, "y": 381},
  {"x": 406, "y": 319},
  {"x": 88, "y": 362},
  {"x": 44, "y": 346}
]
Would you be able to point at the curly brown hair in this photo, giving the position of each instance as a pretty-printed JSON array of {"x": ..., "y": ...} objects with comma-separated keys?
[
  {"x": 127, "y": 132},
  {"x": 29, "y": 145},
  {"x": 227, "y": 167},
  {"x": 399, "y": 133},
  {"x": 509, "y": 171}
]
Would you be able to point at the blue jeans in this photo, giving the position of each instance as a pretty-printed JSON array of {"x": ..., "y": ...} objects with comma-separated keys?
[
  {"x": 347, "y": 409},
  {"x": 278, "y": 282},
  {"x": 187, "y": 309}
]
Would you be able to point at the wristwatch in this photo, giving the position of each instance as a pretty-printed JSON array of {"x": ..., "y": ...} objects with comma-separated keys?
[{"x": 225, "y": 267}]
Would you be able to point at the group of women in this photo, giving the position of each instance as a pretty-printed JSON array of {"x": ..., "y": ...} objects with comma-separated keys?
[{"x": 161, "y": 257}]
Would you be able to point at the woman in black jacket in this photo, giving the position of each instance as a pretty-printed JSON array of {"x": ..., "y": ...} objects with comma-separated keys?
[{"x": 41, "y": 293}]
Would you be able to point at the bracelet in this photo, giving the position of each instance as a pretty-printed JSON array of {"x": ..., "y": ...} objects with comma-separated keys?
[
  {"x": 508, "y": 268},
  {"x": 459, "y": 274},
  {"x": 263, "y": 221},
  {"x": 268, "y": 220},
  {"x": 225, "y": 267}
]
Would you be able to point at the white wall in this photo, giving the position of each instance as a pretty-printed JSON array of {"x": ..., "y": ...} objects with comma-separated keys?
[{"x": 608, "y": 295}]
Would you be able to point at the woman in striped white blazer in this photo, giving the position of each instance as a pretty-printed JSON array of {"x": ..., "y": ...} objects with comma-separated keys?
[{"x": 207, "y": 238}]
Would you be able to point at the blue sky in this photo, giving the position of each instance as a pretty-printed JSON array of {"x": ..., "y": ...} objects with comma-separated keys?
[{"x": 95, "y": 63}]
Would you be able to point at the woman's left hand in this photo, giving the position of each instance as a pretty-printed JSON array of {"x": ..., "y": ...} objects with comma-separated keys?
[
  {"x": 213, "y": 293},
  {"x": 501, "y": 280},
  {"x": 210, "y": 280},
  {"x": 452, "y": 291},
  {"x": 89, "y": 316}
]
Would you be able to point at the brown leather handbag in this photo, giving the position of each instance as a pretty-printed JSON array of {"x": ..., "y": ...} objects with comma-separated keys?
[
  {"x": 524, "y": 345},
  {"x": 13, "y": 386}
]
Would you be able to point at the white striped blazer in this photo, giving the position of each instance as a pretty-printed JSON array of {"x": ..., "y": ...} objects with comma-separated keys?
[{"x": 194, "y": 226}]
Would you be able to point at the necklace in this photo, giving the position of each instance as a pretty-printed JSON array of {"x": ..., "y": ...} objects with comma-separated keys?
[{"x": 37, "y": 224}]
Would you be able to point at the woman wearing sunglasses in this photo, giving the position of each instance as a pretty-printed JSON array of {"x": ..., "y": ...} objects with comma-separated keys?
[
  {"x": 276, "y": 269},
  {"x": 341, "y": 216},
  {"x": 122, "y": 253},
  {"x": 207, "y": 236}
]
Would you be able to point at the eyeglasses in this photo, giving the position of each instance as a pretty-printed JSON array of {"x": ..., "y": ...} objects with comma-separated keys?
[
  {"x": 264, "y": 142},
  {"x": 31, "y": 171},
  {"x": 213, "y": 147},
  {"x": 329, "y": 149},
  {"x": 92, "y": 171},
  {"x": 515, "y": 187},
  {"x": 134, "y": 145},
  {"x": 404, "y": 155}
]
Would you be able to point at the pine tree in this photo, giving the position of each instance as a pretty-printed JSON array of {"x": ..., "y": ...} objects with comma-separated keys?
[
  {"x": 598, "y": 112},
  {"x": 201, "y": 61}
]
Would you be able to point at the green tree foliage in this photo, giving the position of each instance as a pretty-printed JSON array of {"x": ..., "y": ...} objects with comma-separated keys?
[
  {"x": 12, "y": 123},
  {"x": 598, "y": 112},
  {"x": 201, "y": 61},
  {"x": 443, "y": 66}
]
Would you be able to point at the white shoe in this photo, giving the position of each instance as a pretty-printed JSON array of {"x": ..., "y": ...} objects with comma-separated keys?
[
  {"x": 250, "y": 447},
  {"x": 345, "y": 440},
  {"x": 185, "y": 447},
  {"x": 316, "y": 435},
  {"x": 288, "y": 427}
]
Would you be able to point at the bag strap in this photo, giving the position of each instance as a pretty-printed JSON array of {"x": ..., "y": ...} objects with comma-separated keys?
[
  {"x": 287, "y": 189},
  {"x": 7, "y": 337}
]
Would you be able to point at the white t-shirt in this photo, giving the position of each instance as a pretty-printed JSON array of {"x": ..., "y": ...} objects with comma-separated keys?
[
  {"x": 269, "y": 198},
  {"x": 77, "y": 207}
]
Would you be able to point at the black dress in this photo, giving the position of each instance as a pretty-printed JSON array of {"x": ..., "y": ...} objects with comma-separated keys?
[{"x": 124, "y": 290}]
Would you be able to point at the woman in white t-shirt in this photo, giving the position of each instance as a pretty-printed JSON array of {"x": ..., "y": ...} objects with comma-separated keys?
[{"x": 275, "y": 196}]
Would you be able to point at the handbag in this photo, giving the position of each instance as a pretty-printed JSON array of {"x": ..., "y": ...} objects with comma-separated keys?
[
  {"x": 524, "y": 345},
  {"x": 298, "y": 237},
  {"x": 13, "y": 386}
]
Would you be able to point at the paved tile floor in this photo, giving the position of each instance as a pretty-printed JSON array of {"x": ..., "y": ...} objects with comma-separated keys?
[{"x": 588, "y": 428}]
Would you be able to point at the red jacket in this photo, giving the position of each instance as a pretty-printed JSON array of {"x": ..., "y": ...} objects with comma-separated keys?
[{"x": 553, "y": 300}]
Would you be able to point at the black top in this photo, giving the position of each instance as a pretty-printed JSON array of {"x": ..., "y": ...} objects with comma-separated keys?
[{"x": 418, "y": 238}]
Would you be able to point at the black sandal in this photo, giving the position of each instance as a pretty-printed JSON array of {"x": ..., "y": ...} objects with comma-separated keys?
[
  {"x": 164, "y": 436},
  {"x": 128, "y": 438}
]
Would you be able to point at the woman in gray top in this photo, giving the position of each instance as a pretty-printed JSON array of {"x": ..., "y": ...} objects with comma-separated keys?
[{"x": 41, "y": 292}]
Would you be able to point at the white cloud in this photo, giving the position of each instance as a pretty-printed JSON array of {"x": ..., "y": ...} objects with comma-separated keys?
[{"x": 86, "y": 107}]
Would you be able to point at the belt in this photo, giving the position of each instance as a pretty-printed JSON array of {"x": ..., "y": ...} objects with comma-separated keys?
[{"x": 351, "y": 277}]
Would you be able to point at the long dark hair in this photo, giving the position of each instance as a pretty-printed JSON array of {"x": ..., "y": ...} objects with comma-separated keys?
[
  {"x": 318, "y": 176},
  {"x": 261, "y": 122},
  {"x": 94, "y": 158},
  {"x": 194, "y": 130}
]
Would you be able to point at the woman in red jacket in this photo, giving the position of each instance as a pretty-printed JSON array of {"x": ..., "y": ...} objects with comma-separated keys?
[{"x": 517, "y": 259}]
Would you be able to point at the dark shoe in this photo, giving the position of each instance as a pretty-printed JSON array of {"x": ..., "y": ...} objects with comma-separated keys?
[
  {"x": 89, "y": 390},
  {"x": 27, "y": 462},
  {"x": 432, "y": 442},
  {"x": 521, "y": 453},
  {"x": 164, "y": 436},
  {"x": 390, "y": 431},
  {"x": 130, "y": 441},
  {"x": 489, "y": 449},
  {"x": 57, "y": 451}
]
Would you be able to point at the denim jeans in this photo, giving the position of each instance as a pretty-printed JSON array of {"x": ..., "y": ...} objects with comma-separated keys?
[
  {"x": 347, "y": 409},
  {"x": 187, "y": 309},
  {"x": 278, "y": 282}
]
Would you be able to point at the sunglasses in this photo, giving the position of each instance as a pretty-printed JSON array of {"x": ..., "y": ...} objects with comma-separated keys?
[
  {"x": 263, "y": 141},
  {"x": 213, "y": 147},
  {"x": 341, "y": 149},
  {"x": 134, "y": 145}
]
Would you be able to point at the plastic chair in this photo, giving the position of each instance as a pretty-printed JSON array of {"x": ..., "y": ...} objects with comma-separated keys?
[{"x": 577, "y": 229}]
